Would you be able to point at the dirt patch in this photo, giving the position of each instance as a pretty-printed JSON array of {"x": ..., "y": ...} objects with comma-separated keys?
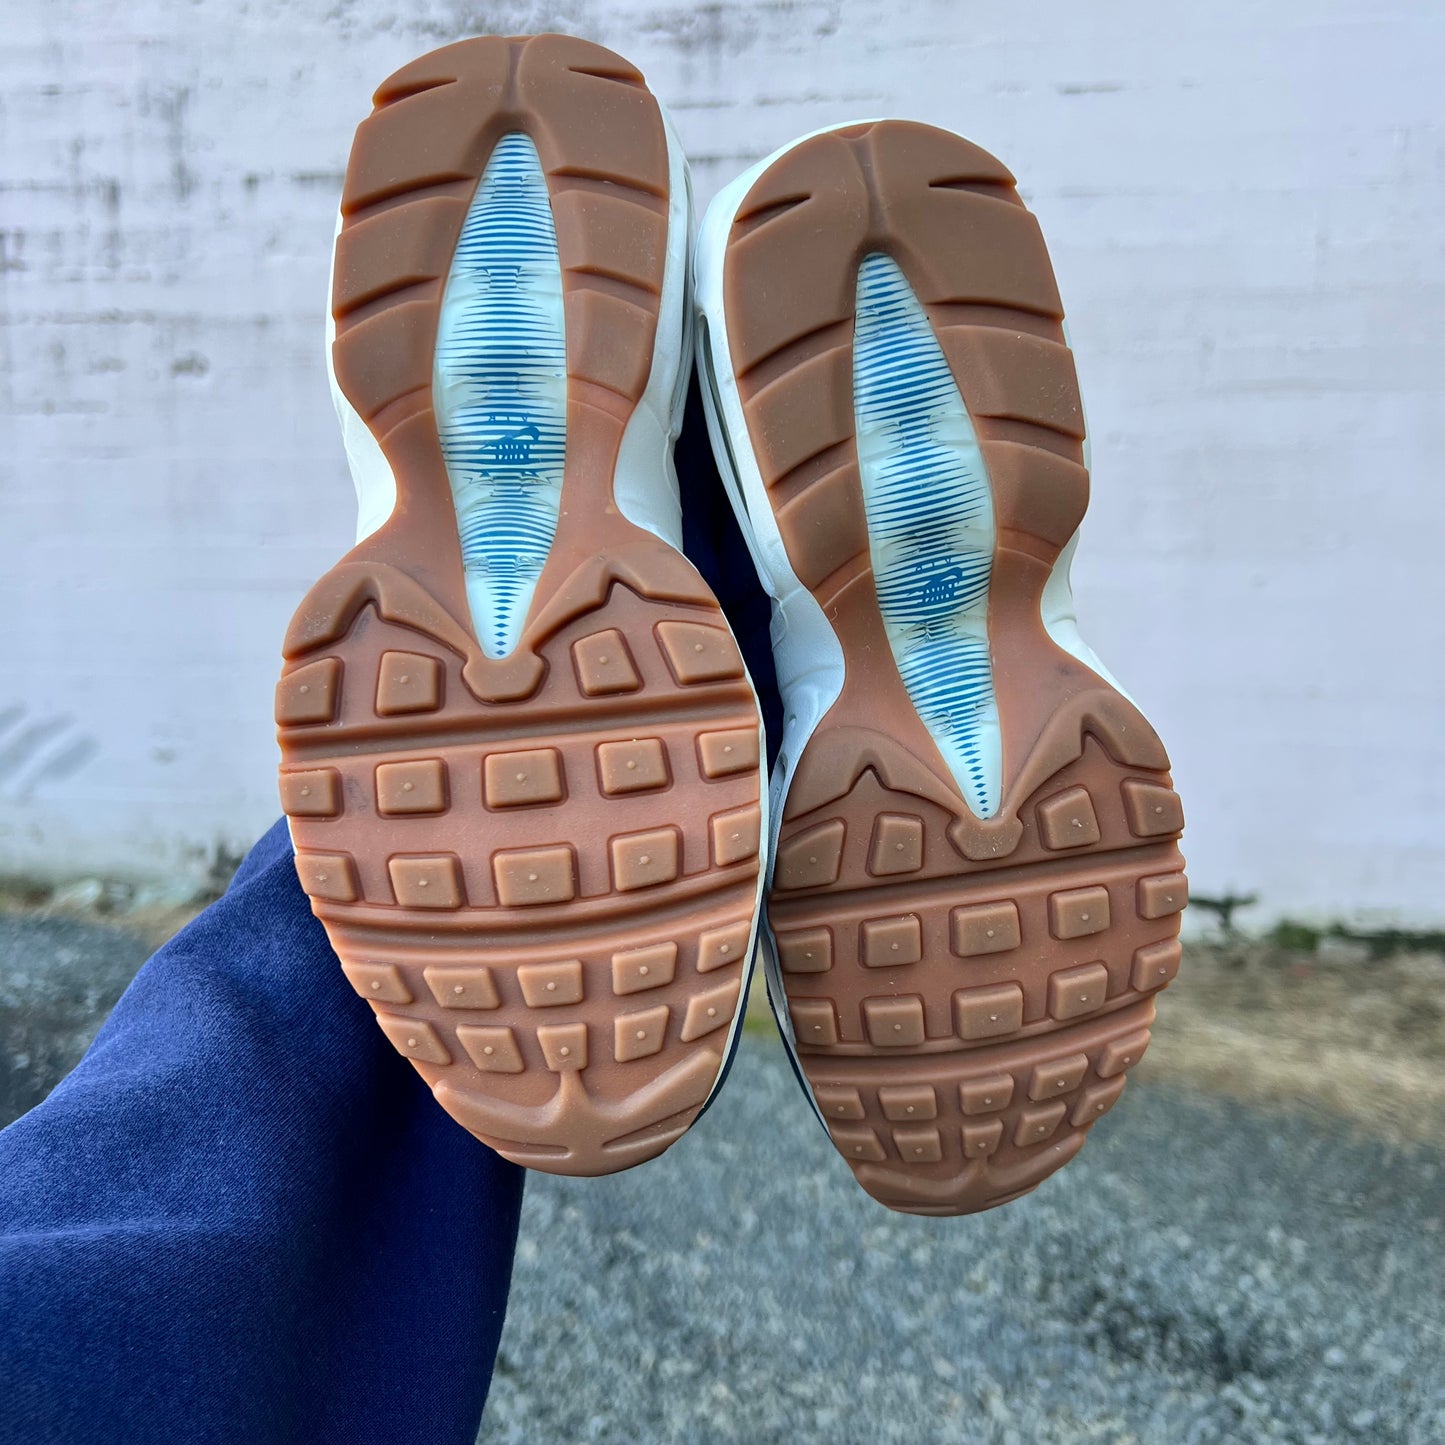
[
  {"x": 1338, "y": 1026},
  {"x": 103, "y": 904},
  {"x": 1334, "y": 1029}
]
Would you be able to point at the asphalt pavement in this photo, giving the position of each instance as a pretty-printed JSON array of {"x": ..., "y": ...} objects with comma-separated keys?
[{"x": 1204, "y": 1273}]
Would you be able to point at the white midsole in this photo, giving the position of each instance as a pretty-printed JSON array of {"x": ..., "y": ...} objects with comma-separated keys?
[
  {"x": 807, "y": 652},
  {"x": 645, "y": 485}
]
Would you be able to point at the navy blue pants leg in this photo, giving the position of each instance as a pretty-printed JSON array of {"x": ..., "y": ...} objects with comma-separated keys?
[{"x": 242, "y": 1218}]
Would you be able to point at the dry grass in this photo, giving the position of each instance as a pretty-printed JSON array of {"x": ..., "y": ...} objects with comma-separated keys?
[
  {"x": 1359, "y": 1039},
  {"x": 153, "y": 923},
  {"x": 1333, "y": 1029}
]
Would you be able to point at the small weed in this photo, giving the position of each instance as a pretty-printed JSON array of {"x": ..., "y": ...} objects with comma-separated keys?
[{"x": 1294, "y": 937}]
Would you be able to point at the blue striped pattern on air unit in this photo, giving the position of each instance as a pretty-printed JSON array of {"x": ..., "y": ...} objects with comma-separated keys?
[
  {"x": 499, "y": 387},
  {"x": 930, "y": 525}
]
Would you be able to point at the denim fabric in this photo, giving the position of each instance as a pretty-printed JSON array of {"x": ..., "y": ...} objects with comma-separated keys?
[
  {"x": 712, "y": 540},
  {"x": 243, "y": 1218}
]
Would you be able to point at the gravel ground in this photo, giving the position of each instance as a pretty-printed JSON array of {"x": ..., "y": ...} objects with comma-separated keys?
[
  {"x": 1203, "y": 1272},
  {"x": 58, "y": 980},
  {"x": 1209, "y": 1271}
]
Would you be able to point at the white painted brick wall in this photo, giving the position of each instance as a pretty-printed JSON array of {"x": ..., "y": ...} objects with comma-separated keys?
[{"x": 1245, "y": 203}]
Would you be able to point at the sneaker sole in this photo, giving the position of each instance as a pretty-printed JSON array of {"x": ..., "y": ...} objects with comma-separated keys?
[
  {"x": 539, "y": 865},
  {"x": 966, "y": 953}
]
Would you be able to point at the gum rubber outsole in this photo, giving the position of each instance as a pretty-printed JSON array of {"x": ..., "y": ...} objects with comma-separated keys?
[
  {"x": 541, "y": 870},
  {"x": 965, "y": 994}
]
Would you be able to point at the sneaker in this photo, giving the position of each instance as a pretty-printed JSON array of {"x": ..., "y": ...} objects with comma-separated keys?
[
  {"x": 975, "y": 880},
  {"x": 520, "y": 748}
]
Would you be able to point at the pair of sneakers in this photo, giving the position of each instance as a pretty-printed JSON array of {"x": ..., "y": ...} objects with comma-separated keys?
[{"x": 522, "y": 757}]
